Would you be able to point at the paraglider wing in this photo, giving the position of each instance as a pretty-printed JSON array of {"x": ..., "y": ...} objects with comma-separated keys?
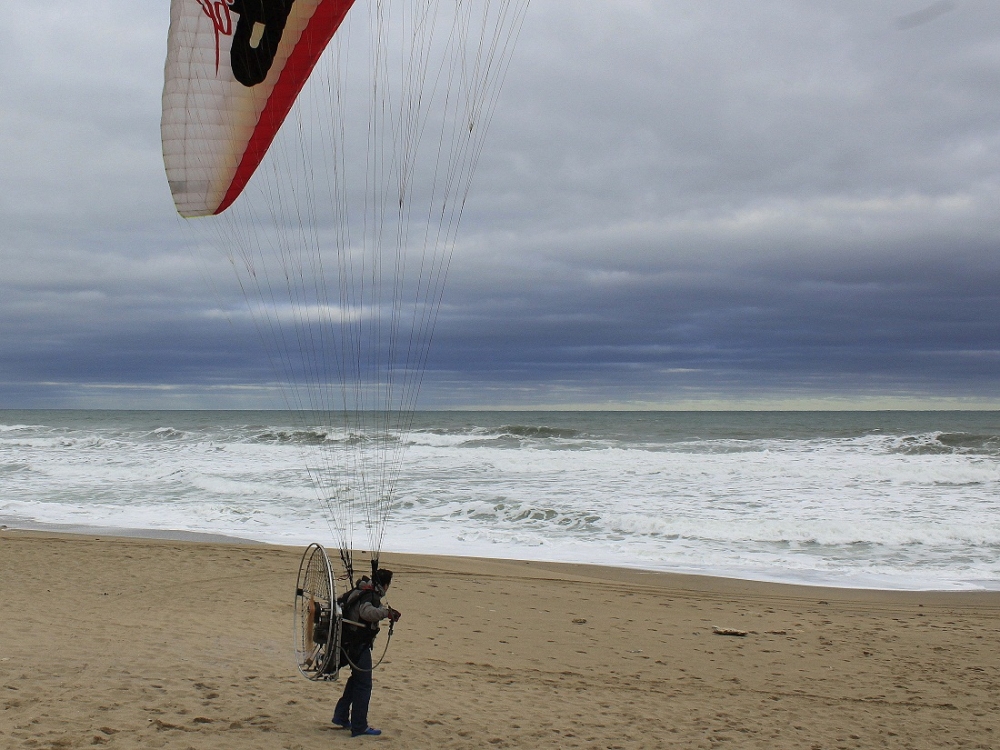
[{"x": 233, "y": 71}]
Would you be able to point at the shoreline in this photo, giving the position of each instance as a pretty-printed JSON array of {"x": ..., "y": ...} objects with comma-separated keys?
[
  {"x": 133, "y": 642},
  {"x": 174, "y": 535},
  {"x": 550, "y": 570},
  {"x": 14, "y": 524}
]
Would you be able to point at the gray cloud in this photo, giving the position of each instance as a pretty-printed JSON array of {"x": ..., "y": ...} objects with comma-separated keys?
[
  {"x": 680, "y": 203},
  {"x": 925, "y": 15}
]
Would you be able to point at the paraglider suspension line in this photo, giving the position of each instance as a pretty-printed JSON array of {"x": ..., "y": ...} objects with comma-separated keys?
[{"x": 345, "y": 557}]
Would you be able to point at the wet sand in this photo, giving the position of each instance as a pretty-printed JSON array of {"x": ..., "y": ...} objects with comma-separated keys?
[{"x": 151, "y": 643}]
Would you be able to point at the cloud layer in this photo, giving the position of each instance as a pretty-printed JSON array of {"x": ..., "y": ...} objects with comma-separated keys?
[{"x": 681, "y": 204}]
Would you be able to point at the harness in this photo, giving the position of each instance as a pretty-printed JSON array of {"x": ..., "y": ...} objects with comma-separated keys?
[{"x": 356, "y": 634}]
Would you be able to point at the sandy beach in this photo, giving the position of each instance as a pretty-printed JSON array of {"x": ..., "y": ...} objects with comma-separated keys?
[{"x": 133, "y": 643}]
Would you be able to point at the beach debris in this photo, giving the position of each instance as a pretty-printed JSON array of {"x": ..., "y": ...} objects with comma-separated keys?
[
  {"x": 777, "y": 632},
  {"x": 164, "y": 726},
  {"x": 730, "y": 631},
  {"x": 579, "y": 621}
]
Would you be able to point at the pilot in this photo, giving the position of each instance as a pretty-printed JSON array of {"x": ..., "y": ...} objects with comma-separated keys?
[{"x": 363, "y": 610}]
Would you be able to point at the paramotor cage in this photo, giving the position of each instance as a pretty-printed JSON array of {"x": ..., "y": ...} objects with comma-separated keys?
[{"x": 318, "y": 619}]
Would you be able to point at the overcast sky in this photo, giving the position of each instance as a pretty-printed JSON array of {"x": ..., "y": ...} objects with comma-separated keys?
[{"x": 683, "y": 204}]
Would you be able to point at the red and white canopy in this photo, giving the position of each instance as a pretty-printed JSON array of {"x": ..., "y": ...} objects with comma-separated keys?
[{"x": 233, "y": 71}]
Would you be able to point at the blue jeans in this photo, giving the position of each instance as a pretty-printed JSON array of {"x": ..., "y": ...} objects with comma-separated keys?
[{"x": 353, "y": 704}]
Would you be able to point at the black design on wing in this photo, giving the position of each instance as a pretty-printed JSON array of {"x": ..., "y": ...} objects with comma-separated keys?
[{"x": 256, "y": 38}]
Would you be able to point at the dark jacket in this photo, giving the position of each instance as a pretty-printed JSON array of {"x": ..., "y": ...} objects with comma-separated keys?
[{"x": 363, "y": 605}]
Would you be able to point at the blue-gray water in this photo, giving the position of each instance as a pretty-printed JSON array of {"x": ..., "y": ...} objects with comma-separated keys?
[{"x": 871, "y": 499}]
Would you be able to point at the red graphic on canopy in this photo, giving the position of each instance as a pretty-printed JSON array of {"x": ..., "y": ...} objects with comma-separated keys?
[{"x": 221, "y": 20}]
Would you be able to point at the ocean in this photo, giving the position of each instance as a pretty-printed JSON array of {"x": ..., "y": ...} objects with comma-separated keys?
[{"x": 891, "y": 500}]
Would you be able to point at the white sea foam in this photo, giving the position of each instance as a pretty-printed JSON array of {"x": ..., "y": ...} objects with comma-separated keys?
[{"x": 827, "y": 503}]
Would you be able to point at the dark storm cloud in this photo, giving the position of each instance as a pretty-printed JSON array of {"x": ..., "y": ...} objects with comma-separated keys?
[
  {"x": 904, "y": 319},
  {"x": 726, "y": 202}
]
